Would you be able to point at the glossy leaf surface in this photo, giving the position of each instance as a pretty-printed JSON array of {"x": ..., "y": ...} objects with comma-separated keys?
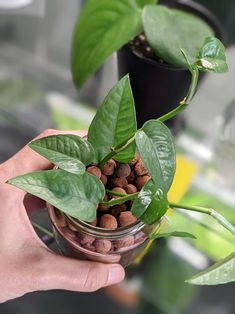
[
  {"x": 156, "y": 147},
  {"x": 179, "y": 234},
  {"x": 169, "y": 30},
  {"x": 68, "y": 152},
  {"x": 103, "y": 27},
  {"x": 114, "y": 122},
  {"x": 75, "y": 195},
  {"x": 219, "y": 273},
  {"x": 212, "y": 56},
  {"x": 151, "y": 203}
]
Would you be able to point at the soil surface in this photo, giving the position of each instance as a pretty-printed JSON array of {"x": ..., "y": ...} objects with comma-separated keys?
[{"x": 141, "y": 46}]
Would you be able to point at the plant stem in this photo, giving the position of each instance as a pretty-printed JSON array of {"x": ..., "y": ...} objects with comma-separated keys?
[
  {"x": 182, "y": 105},
  {"x": 193, "y": 86},
  {"x": 173, "y": 112},
  {"x": 50, "y": 234},
  {"x": 117, "y": 149},
  {"x": 209, "y": 211},
  {"x": 115, "y": 193},
  {"x": 121, "y": 199}
]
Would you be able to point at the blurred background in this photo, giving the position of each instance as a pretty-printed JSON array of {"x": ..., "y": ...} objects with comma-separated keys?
[{"x": 36, "y": 92}]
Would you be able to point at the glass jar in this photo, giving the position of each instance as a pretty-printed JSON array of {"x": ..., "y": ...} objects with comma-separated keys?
[{"x": 81, "y": 240}]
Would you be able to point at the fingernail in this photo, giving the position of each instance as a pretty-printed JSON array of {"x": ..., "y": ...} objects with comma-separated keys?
[{"x": 116, "y": 274}]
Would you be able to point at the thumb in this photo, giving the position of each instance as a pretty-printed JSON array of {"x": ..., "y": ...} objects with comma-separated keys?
[{"x": 75, "y": 275}]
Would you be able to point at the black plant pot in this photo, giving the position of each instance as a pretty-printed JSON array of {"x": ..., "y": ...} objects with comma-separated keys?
[{"x": 158, "y": 87}]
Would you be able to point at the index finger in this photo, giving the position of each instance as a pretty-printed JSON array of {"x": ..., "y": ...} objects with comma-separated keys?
[{"x": 26, "y": 160}]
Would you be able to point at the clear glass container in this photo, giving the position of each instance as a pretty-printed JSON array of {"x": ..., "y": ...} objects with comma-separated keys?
[{"x": 81, "y": 240}]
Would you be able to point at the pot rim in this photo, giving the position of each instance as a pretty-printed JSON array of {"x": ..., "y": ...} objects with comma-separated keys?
[{"x": 203, "y": 13}]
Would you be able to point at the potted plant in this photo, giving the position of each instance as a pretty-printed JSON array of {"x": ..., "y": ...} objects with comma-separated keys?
[
  {"x": 105, "y": 201},
  {"x": 147, "y": 37}
]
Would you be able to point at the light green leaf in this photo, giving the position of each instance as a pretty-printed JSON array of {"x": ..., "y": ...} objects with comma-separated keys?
[
  {"x": 68, "y": 152},
  {"x": 212, "y": 56},
  {"x": 151, "y": 203},
  {"x": 114, "y": 122},
  {"x": 169, "y": 30},
  {"x": 179, "y": 234},
  {"x": 74, "y": 195},
  {"x": 103, "y": 27},
  {"x": 156, "y": 147},
  {"x": 220, "y": 273}
]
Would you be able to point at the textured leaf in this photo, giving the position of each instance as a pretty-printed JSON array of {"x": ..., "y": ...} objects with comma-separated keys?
[
  {"x": 75, "y": 195},
  {"x": 219, "y": 273},
  {"x": 156, "y": 147},
  {"x": 151, "y": 203},
  {"x": 169, "y": 30},
  {"x": 103, "y": 27},
  {"x": 179, "y": 234},
  {"x": 212, "y": 56},
  {"x": 69, "y": 152},
  {"x": 114, "y": 122}
]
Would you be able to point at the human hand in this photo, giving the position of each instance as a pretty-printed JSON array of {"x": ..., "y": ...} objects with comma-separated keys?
[{"x": 26, "y": 264}]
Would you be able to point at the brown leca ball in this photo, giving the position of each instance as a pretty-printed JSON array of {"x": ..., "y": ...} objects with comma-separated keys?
[
  {"x": 109, "y": 167},
  {"x": 103, "y": 179},
  {"x": 117, "y": 209},
  {"x": 125, "y": 242},
  {"x": 131, "y": 177},
  {"x": 126, "y": 219},
  {"x": 95, "y": 171},
  {"x": 123, "y": 170},
  {"x": 119, "y": 182},
  {"x": 135, "y": 159},
  {"x": 86, "y": 240},
  {"x": 108, "y": 222},
  {"x": 130, "y": 188},
  {"x": 140, "y": 181},
  {"x": 103, "y": 246},
  {"x": 140, "y": 169}
]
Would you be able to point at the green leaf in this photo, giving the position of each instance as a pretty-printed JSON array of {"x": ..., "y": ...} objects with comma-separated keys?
[
  {"x": 103, "y": 27},
  {"x": 69, "y": 152},
  {"x": 143, "y": 3},
  {"x": 169, "y": 30},
  {"x": 151, "y": 203},
  {"x": 212, "y": 56},
  {"x": 179, "y": 234},
  {"x": 220, "y": 273},
  {"x": 114, "y": 122},
  {"x": 75, "y": 195},
  {"x": 156, "y": 147}
]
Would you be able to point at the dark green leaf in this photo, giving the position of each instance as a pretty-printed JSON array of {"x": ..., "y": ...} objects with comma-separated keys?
[
  {"x": 151, "y": 204},
  {"x": 219, "y": 273},
  {"x": 114, "y": 122},
  {"x": 169, "y": 30},
  {"x": 75, "y": 195},
  {"x": 69, "y": 152},
  {"x": 103, "y": 27},
  {"x": 156, "y": 147},
  {"x": 173, "y": 234},
  {"x": 212, "y": 56}
]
